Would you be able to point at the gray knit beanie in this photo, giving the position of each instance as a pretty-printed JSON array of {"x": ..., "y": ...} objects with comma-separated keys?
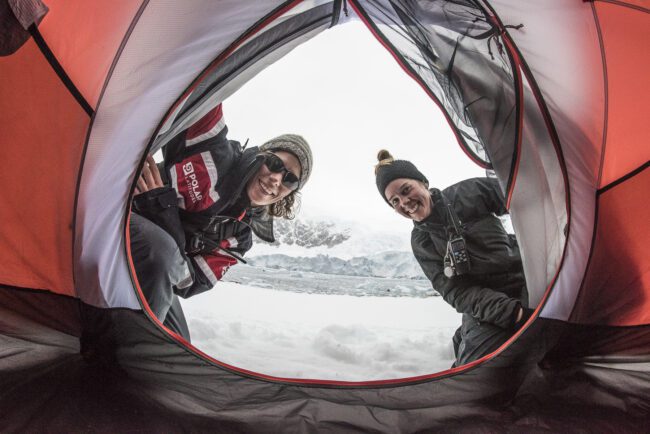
[
  {"x": 296, "y": 145},
  {"x": 388, "y": 169}
]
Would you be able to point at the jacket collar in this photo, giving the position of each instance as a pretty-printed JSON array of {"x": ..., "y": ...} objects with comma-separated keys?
[
  {"x": 244, "y": 169},
  {"x": 258, "y": 219},
  {"x": 434, "y": 219},
  {"x": 261, "y": 223}
]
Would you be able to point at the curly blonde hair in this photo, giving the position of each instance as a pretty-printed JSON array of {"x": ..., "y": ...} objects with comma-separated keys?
[{"x": 287, "y": 207}]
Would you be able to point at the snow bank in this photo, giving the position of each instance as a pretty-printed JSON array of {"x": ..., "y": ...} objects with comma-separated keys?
[{"x": 334, "y": 337}]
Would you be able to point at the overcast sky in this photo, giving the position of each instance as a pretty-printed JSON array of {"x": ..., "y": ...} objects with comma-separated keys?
[{"x": 349, "y": 98}]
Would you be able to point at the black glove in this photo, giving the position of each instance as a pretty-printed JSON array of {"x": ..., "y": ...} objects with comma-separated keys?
[
  {"x": 160, "y": 206},
  {"x": 525, "y": 316},
  {"x": 152, "y": 202}
]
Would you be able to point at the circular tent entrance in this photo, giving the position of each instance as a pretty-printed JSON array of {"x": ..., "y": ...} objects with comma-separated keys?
[{"x": 537, "y": 124}]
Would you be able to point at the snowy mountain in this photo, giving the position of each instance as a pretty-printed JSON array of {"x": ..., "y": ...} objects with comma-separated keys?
[
  {"x": 333, "y": 238},
  {"x": 391, "y": 264},
  {"x": 308, "y": 233},
  {"x": 331, "y": 256}
]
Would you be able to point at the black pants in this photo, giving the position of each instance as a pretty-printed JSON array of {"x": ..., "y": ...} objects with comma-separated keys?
[
  {"x": 161, "y": 269},
  {"x": 475, "y": 339}
]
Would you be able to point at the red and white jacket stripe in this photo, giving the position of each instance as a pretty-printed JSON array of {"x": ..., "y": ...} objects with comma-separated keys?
[{"x": 205, "y": 169}]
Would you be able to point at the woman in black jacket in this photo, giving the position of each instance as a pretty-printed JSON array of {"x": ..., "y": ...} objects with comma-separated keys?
[
  {"x": 464, "y": 250},
  {"x": 194, "y": 213}
]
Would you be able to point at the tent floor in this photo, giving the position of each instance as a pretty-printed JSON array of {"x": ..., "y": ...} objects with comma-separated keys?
[{"x": 49, "y": 384}]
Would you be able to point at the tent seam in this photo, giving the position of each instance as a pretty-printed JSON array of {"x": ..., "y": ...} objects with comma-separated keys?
[
  {"x": 224, "y": 55},
  {"x": 109, "y": 74},
  {"x": 603, "y": 148},
  {"x": 555, "y": 139},
  {"x": 623, "y": 178},
  {"x": 411, "y": 73},
  {"x": 266, "y": 50},
  {"x": 515, "y": 64},
  {"x": 608, "y": 187},
  {"x": 601, "y": 45},
  {"x": 59, "y": 70},
  {"x": 625, "y": 5}
]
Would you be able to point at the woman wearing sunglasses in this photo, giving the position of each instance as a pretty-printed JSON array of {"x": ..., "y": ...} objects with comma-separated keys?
[
  {"x": 194, "y": 213},
  {"x": 464, "y": 250}
]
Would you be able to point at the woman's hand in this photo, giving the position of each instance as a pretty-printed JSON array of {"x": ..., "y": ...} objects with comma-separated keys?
[{"x": 149, "y": 178}]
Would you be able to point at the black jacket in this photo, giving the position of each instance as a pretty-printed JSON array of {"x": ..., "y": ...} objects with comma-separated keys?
[
  {"x": 203, "y": 205},
  {"x": 494, "y": 289}
]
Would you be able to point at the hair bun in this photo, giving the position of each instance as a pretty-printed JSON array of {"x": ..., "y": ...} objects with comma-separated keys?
[{"x": 384, "y": 155}]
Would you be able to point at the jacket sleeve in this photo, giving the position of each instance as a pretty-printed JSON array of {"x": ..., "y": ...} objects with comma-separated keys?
[
  {"x": 484, "y": 304},
  {"x": 195, "y": 160},
  {"x": 159, "y": 206},
  {"x": 477, "y": 196},
  {"x": 209, "y": 268}
]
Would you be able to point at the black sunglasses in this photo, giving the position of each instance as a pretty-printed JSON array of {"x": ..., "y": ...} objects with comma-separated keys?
[{"x": 276, "y": 165}]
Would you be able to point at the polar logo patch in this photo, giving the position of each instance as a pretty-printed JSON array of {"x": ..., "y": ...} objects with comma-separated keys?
[
  {"x": 195, "y": 179},
  {"x": 193, "y": 187},
  {"x": 188, "y": 168}
]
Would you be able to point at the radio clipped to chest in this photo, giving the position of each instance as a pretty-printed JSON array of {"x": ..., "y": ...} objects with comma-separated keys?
[{"x": 456, "y": 261}]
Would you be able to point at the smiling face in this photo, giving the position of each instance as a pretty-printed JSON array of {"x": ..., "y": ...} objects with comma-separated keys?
[
  {"x": 266, "y": 187},
  {"x": 409, "y": 198}
]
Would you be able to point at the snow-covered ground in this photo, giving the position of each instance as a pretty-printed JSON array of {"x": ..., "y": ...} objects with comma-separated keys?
[{"x": 294, "y": 332}]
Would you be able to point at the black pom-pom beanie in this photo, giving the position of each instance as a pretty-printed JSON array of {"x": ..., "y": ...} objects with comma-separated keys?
[{"x": 388, "y": 172}]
